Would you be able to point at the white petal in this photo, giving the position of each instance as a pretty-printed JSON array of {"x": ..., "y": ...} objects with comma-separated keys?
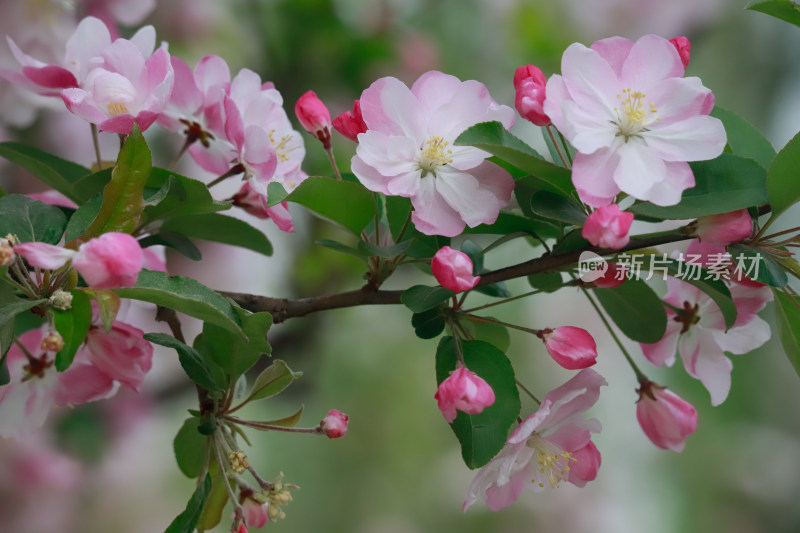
[{"x": 697, "y": 138}]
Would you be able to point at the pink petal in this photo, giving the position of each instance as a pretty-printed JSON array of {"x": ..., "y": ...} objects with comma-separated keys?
[
  {"x": 615, "y": 50},
  {"x": 592, "y": 175},
  {"x": 432, "y": 215},
  {"x": 652, "y": 60},
  {"x": 390, "y": 107},
  {"x": 43, "y": 255}
]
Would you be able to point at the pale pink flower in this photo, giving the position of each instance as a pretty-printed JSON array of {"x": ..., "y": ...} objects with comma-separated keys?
[
  {"x": 256, "y": 514},
  {"x": 697, "y": 330},
  {"x": 121, "y": 353},
  {"x": 725, "y": 228},
  {"x": 571, "y": 347},
  {"x": 550, "y": 446},
  {"x": 453, "y": 270},
  {"x": 335, "y": 424},
  {"x": 53, "y": 197},
  {"x": 608, "y": 227},
  {"x": 684, "y": 48},
  {"x": 530, "y": 85},
  {"x": 465, "y": 391},
  {"x": 109, "y": 261},
  {"x": 633, "y": 119},
  {"x": 408, "y": 151},
  {"x": 666, "y": 418},
  {"x": 256, "y": 204},
  {"x": 315, "y": 117},
  {"x": 351, "y": 123}
]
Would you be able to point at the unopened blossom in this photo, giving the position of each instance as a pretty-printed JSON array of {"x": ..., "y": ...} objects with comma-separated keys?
[
  {"x": 241, "y": 529},
  {"x": 256, "y": 204},
  {"x": 335, "y": 424},
  {"x": 314, "y": 116},
  {"x": 351, "y": 123},
  {"x": 109, "y": 261},
  {"x": 465, "y": 391},
  {"x": 256, "y": 514},
  {"x": 633, "y": 118},
  {"x": 571, "y": 347},
  {"x": 608, "y": 227},
  {"x": 725, "y": 228},
  {"x": 614, "y": 276},
  {"x": 666, "y": 418},
  {"x": 121, "y": 353},
  {"x": 530, "y": 85},
  {"x": 409, "y": 151},
  {"x": 550, "y": 446},
  {"x": 684, "y": 48},
  {"x": 696, "y": 329},
  {"x": 453, "y": 270}
]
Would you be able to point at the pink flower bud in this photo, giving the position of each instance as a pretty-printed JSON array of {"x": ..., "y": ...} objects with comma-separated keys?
[
  {"x": 614, "y": 276},
  {"x": 586, "y": 465},
  {"x": 109, "y": 261},
  {"x": 684, "y": 48},
  {"x": 530, "y": 84},
  {"x": 571, "y": 347},
  {"x": 122, "y": 354},
  {"x": 453, "y": 270},
  {"x": 724, "y": 229},
  {"x": 335, "y": 424},
  {"x": 463, "y": 391},
  {"x": 350, "y": 124},
  {"x": 666, "y": 418},
  {"x": 256, "y": 514},
  {"x": 314, "y": 117},
  {"x": 608, "y": 227},
  {"x": 241, "y": 529}
]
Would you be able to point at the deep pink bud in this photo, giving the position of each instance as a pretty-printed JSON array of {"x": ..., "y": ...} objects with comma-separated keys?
[
  {"x": 453, "y": 270},
  {"x": 241, "y": 529},
  {"x": 350, "y": 124},
  {"x": 314, "y": 117},
  {"x": 666, "y": 418},
  {"x": 586, "y": 465},
  {"x": 571, "y": 347},
  {"x": 530, "y": 85},
  {"x": 109, "y": 261},
  {"x": 614, "y": 276},
  {"x": 684, "y": 48},
  {"x": 725, "y": 228},
  {"x": 335, "y": 424},
  {"x": 463, "y": 391},
  {"x": 608, "y": 227}
]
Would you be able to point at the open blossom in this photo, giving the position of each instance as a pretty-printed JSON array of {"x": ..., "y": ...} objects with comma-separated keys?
[
  {"x": 121, "y": 353},
  {"x": 314, "y": 117},
  {"x": 697, "y": 330},
  {"x": 666, "y": 418},
  {"x": 453, "y": 270},
  {"x": 550, "y": 446},
  {"x": 465, "y": 391},
  {"x": 335, "y": 424},
  {"x": 608, "y": 227},
  {"x": 530, "y": 84},
  {"x": 351, "y": 123},
  {"x": 409, "y": 151},
  {"x": 633, "y": 118},
  {"x": 571, "y": 347},
  {"x": 725, "y": 228}
]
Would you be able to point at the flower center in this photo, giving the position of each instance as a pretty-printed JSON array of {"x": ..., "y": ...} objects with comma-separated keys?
[
  {"x": 687, "y": 316},
  {"x": 117, "y": 108},
  {"x": 280, "y": 146},
  {"x": 434, "y": 154},
  {"x": 553, "y": 462},
  {"x": 634, "y": 115}
]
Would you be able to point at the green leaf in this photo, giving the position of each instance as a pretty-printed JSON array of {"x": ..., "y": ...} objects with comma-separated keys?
[
  {"x": 420, "y": 298},
  {"x": 484, "y": 434},
  {"x": 123, "y": 200},
  {"x": 386, "y": 252},
  {"x": 185, "y": 196},
  {"x": 190, "y": 448},
  {"x": 73, "y": 325},
  {"x": 492, "y": 137},
  {"x": 82, "y": 218},
  {"x": 570, "y": 242},
  {"x": 786, "y": 10},
  {"x": 706, "y": 281},
  {"x": 216, "y": 500},
  {"x": 171, "y": 184},
  {"x": 744, "y": 139},
  {"x": 178, "y": 242},
  {"x": 508, "y": 223},
  {"x": 92, "y": 185},
  {"x": 186, "y": 521},
  {"x": 788, "y": 318},
  {"x": 636, "y": 310},
  {"x": 546, "y": 281},
  {"x": 11, "y": 309},
  {"x": 759, "y": 265},
  {"x": 273, "y": 380},
  {"x": 555, "y": 207},
  {"x": 287, "y": 421},
  {"x": 235, "y": 354},
  {"x": 58, "y": 173},
  {"x": 428, "y": 324},
  {"x": 724, "y": 184},
  {"x": 220, "y": 228},
  {"x": 494, "y": 334},
  {"x": 276, "y": 193},
  {"x": 343, "y": 202},
  {"x": 185, "y": 295},
  {"x": 783, "y": 183},
  {"x": 194, "y": 364},
  {"x": 31, "y": 220}
]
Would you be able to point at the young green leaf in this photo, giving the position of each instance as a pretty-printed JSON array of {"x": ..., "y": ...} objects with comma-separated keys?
[
  {"x": 73, "y": 325},
  {"x": 788, "y": 318},
  {"x": 232, "y": 353},
  {"x": 198, "y": 368},
  {"x": 190, "y": 447},
  {"x": 186, "y": 521},
  {"x": 273, "y": 380},
  {"x": 58, "y": 173},
  {"x": 786, "y": 10},
  {"x": 744, "y": 139},
  {"x": 783, "y": 187},
  {"x": 31, "y": 220},
  {"x": 185, "y": 196},
  {"x": 82, "y": 218},
  {"x": 760, "y": 266},
  {"x": 420, "y": 298},
  {"x": 636, "y": 310}
]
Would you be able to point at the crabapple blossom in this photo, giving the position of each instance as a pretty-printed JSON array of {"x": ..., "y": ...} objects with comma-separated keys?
[
  {"x": 256, "y": 514},
  {"x": 530, "y": 84},
  {"x": 351, "y": 123},
  {"x": 666, "y": 418},
  {"x": 315, "y": 117},
  {"x": 465, "y": 391},
  {"x": 256, "y": 205},
  {"x": 633, "y": 119},
  {"x": 550, "y": 446},
  {"x": 571, "y": 347},
  {"x": 453, "y": 270},
  {"x": 696, "y": 329},
  {"x": 608, "y": 227},
  {"x": 684, "y": 48},
  {"x": 109, "y": 261},
  {"x": 121, "y": 353},
  {"x": 408, "y": 151},
  {"x": 335, "y": 424},
  {"x": 725, "y": 228}
]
